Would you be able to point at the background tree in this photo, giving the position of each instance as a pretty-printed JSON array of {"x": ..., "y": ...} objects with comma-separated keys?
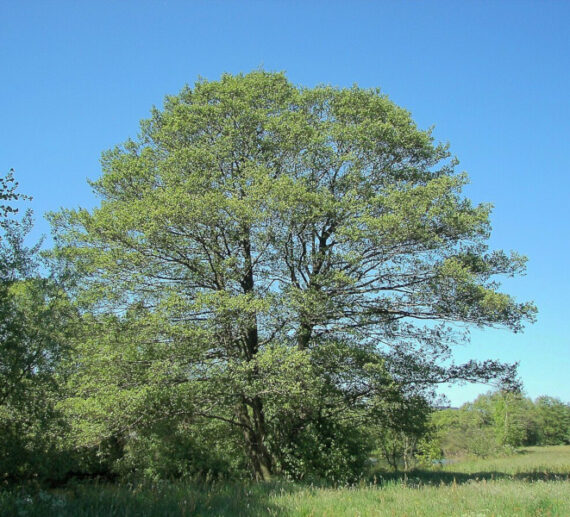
[
  {"x": 553, "y": 417},
  {"x": 466, "y": 431},
  {"x": 402, "y": 422},
  {"x": 33, "y": 323},
  {"x": 285, "y": 255}
]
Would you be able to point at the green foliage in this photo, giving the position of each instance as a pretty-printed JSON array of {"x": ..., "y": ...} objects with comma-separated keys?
[
  {"x": 179, "y": 450},
  {"x": 553, "y": 418},
  {"x": 33, "y": 338},
  {"x": 271, "y": 258},
  {"x": 511, "y": 417},
  {"x": 402, "y": 427},
  {"x": 323, "y": 448},
  {"x": 464, "y": 431},
  {"x": 8, "y": 197},
  {"x": 428, "y": 451},
  {"x": 501, "y": 422}
]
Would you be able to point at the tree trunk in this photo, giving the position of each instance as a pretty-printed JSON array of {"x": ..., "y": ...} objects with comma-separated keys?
[
  {"x": 254, "y": 436},
  {"x": 251, "y": 409}
]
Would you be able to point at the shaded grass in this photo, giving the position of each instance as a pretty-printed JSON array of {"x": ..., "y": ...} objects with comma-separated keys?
[
  {"x": 535, "y": 482},
  {"x": 160, "y": 500}
]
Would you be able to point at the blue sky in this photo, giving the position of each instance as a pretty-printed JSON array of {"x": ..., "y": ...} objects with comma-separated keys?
[{"x": 493, "y": 77}]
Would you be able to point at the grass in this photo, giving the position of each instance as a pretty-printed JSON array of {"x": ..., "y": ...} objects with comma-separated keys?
[
  {"x": 553, "y": 460},
  {"x": 534, "y": 482},
  {"x": 498, "y": 498}
]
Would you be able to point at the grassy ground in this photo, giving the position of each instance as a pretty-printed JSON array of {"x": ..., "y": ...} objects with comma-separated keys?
[{"x": 534, "y": 482}]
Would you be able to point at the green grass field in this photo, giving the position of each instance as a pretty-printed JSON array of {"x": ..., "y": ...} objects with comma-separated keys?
[{"x": 535, "y": 481}]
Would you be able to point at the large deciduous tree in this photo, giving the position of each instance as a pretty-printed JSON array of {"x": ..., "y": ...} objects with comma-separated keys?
[{"x": 278, "y": 257}]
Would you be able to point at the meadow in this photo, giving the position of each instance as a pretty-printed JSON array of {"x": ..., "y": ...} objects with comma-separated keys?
[{"x": 533, "y": 482}]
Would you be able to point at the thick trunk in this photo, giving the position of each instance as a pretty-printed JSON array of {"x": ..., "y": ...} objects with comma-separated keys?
[
  {"x": 251, "y": 417},
  {"x": 263, "y": 457},
  {"x": 251, "y": 409}
]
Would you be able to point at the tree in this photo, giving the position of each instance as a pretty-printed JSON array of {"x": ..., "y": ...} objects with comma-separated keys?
[
  {"x": 285, "y": 255},
  {"x": 466, "y": 430},
  {"x": 553, "y": 420},
  {"x": 511, "y": 416},
  {"x": 403, "y": 423},
  {"x": 33, "y": 315},
  {"x": 495, "y": 422},
  {"x": 16, "y": 262}
]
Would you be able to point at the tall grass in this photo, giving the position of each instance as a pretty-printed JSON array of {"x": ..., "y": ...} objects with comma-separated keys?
[
  {"x": 497, "y": 498},
  {"x": 534, "y": 482}
]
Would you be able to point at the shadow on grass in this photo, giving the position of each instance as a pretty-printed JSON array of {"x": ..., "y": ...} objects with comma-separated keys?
[
  {"x": 249, "y": 499},
  {"x": 161, "y": 500},
  {"x": 430, "y": 477}
]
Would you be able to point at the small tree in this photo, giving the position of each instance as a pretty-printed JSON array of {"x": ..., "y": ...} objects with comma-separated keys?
[
  {"x": 554, "y": 420},
  {"x": 402, "y": 424},
  {"x": 17, "y": 360},
  {"x": 33, "y": 324}
]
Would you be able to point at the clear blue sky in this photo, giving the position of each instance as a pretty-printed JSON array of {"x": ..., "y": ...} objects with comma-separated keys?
[{"x": 493, "y": 77}]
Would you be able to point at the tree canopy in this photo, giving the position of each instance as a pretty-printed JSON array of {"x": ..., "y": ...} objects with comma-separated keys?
[{"x": 276, "y": 263}]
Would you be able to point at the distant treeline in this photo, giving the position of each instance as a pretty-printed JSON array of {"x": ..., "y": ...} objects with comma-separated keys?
[
  {"x": 495, "y": 423},
  {"x": 500, "y": 421}
]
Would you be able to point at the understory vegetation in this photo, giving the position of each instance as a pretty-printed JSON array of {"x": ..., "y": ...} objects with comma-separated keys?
[{"x": 534, "y": 482}]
